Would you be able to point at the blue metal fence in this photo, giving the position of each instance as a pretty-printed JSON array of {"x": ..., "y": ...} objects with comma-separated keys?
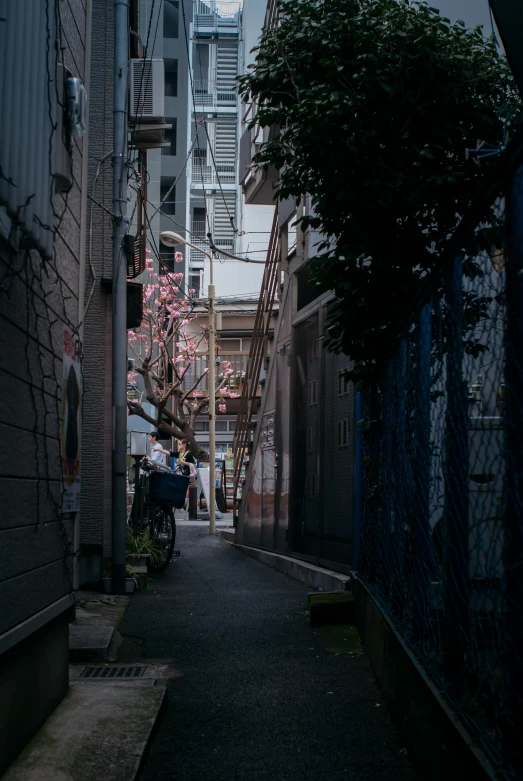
[{"x": 440, "y": 442}]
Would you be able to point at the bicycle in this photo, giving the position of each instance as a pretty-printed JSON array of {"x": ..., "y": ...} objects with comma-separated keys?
[{"x": 152, "y": 509}]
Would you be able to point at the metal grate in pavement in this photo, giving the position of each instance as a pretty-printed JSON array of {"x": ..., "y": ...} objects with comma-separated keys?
[{"x": 136, "y": 671}]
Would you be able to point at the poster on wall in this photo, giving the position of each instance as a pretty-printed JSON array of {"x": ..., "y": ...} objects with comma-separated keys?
[{"x": 70, "y": 438}]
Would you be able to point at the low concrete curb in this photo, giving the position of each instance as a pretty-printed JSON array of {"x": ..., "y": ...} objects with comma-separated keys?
[
  {"x": 437, "y": 739},
  {"x": 227, "y": 534},
  {"x": 317, "y": 577},
  {"x": 97, "y": 732}
]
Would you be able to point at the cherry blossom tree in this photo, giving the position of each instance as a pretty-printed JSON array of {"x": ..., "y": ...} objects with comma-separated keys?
[{"x": 165, "y": 350}]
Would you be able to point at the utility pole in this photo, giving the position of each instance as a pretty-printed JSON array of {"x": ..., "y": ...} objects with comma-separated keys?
[
  {"x": 212, "y": 408},
  {"x": 119, "y": 290}
]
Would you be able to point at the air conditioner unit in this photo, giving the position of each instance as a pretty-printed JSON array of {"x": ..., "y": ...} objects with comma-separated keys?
[{"x": 147, "y": 82}]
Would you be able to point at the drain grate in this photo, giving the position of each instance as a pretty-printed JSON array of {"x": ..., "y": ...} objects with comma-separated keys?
[{"x": 136, "y": 671}]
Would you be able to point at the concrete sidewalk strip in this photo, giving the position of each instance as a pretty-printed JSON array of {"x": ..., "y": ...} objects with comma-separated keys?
[
  {"x": 317, "y": 577},
  {"x": 90, "y": 643},
  {"x": 261, "y": 695},
  {"x": 97, "y": 732}
]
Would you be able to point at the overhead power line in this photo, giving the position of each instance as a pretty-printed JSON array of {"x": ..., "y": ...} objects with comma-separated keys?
[{"x": 204, "y": 122}]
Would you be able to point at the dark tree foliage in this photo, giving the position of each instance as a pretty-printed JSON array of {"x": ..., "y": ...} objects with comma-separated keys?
[{"x": 377, "y": 102}]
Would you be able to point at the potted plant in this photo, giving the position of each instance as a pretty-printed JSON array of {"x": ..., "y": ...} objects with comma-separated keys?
[
  {"x": 130, "y": 580},
  {"x": 140, "y": 549},
  {"x": 239, "y": 379}
]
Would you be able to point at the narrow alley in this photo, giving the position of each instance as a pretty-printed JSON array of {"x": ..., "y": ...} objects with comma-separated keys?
[{"x": 257, "y": 697}]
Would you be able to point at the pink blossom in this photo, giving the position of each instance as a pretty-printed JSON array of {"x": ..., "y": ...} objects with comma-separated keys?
[
  {"x": 178, "y": 256},
  {"x": 234, "y": 395},
  {"x": 222, "y": 407}
]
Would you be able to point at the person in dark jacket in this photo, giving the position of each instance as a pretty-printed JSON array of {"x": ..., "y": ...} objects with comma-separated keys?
[{"x": 184, "y": 458}]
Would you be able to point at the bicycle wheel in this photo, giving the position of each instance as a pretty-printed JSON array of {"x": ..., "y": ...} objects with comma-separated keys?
[{"x": 163, "y": 532}]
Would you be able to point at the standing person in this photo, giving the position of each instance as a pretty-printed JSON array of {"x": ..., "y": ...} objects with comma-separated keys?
[
  {"x": 158, "y": 453},
  {"x": 184, "y": 458}
]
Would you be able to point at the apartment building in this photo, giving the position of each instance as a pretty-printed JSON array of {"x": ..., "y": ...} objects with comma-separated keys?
[{"x": 192, "y": 175}]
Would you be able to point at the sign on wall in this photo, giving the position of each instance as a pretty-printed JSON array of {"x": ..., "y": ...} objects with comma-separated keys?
[{"x": 70, "y": 439}]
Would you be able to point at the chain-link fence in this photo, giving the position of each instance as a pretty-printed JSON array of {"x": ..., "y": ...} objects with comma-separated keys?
[{"x": 441, "y": 514}]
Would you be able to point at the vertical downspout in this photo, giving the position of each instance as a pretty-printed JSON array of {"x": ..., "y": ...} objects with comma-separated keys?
[
  {"x": 83, "y": 235},
  {"x": 119, "y": 295}
]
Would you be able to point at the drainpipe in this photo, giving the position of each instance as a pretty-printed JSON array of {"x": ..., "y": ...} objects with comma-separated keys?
[
  {"x": 83, "y": 234},
  {"x": 119, "y": 294}
]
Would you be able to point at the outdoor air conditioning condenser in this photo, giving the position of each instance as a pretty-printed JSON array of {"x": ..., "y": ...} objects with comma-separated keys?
[{"x": 147, "y": 85}]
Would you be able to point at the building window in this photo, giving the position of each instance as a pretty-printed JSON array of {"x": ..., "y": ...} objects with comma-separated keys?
[
  {"x": 201, "y": 58},
  {"x": 343, "y": 432},
  {"x": 166, "y": 183},
  {"x": 232, "y": 426},
  {"x": 313, "y": 349},
  {"x": 195, "y": 283},
  {"x": 199, "y": 160},
  {"x": 171, "y": 18},
  {"x": 230, "y": 345},
  {"x": 199, "y": 223},
  {"x": 310, "y": 439},
  {"x": 170, "y": 136},
  {"x": 201, "y": 425},
  {"x": 171, "y": 77},
  {"x": 312, "y": 394},
  {"x": 166, "y": 260},
  {"x": 343, "y": 383},
  {"x": 312, "y": 487},
  {"x": 220, "y": 425}
]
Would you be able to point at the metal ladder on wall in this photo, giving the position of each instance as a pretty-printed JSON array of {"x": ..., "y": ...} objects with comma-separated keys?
[{"x": 255, "y": 359}]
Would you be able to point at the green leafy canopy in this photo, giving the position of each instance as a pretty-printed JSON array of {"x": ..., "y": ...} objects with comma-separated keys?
[{"x": 376, "y": 102}]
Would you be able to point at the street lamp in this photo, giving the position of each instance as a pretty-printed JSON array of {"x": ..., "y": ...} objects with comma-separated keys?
[{"x": 171, "y": 239}]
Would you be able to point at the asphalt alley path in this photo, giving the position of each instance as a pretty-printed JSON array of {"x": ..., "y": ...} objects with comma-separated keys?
[{"x": 258, "y": 699}]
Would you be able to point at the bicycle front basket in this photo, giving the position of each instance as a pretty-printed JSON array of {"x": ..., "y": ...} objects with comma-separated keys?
[{"x": 168, "y": 488}]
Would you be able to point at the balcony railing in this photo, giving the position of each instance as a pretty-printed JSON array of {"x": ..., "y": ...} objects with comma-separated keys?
[
  {"x": 199, "y": 232},
  {"x": 238, "y": 361},
  {"x": 214, "y": 94},
  {"x": 198, "y": 229},
  {"x": 202, "y": 173},
  {"x": 216, "y": 13}
]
